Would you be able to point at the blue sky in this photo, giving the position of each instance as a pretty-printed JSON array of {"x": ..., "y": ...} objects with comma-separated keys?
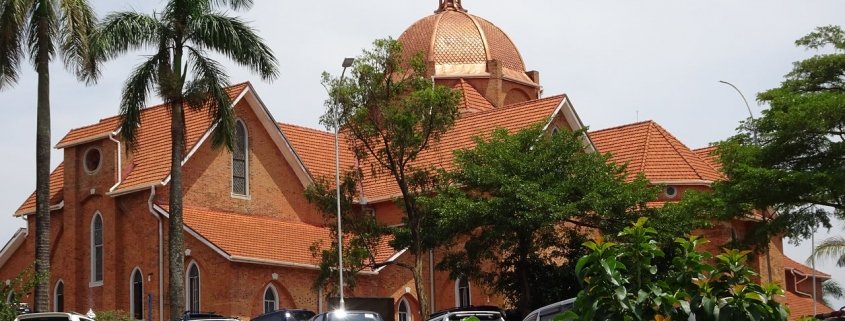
[{"x": 619, "y": 61}]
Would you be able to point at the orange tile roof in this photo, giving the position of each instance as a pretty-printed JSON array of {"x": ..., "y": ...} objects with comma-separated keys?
[
  {"x": 649, "y": 149},
  {"x": 235, "y": 234},
  {"x": 314, "y": 146},
  {"x": 471, "y": 99},
  {"x": 708, "y": 155},
  {"x": 57, "y": 181},
  {"x": 790, "y": 264},
  {"x": 800, "y": 306}
]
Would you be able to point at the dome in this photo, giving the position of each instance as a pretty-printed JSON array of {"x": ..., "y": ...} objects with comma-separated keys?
[{"x": 460, "y": 44}]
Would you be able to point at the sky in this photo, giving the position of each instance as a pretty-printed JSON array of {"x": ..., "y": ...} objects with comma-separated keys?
[{"x": 619, "y": 61}]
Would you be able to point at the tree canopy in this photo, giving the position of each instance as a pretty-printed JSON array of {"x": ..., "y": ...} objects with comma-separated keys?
[{"x": 518, "y": 205}]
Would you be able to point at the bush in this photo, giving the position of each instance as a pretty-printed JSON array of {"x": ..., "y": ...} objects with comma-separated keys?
[{"x": 621, "y": 282}]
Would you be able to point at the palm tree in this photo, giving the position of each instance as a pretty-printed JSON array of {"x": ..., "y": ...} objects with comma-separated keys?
[
  {"x": 830, "y": 249},
  {"x": 183, "y": 75},
  {"x": 39, "y": 29}
]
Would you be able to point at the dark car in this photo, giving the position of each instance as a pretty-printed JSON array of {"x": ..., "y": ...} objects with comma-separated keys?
[
  {"x": 483, "y": 313},
  {"x": 205, "y": 316},
  {"x": 285, "y": 315},
  {"x": 351, "y": 315}
]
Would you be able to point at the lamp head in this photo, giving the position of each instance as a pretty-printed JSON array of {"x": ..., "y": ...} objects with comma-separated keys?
[{"x": 347, "y": 62}]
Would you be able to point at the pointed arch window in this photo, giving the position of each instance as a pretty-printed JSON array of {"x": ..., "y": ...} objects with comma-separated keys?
[
  {"x": 59, "y": 297},
  {"x": 271, "y": 299},
  {"x": 462, "y": 292},
  {"x": 192, "y": 293},
  {"x": 240, "y": 162},
  {"x": 136, "y": 295},
  {"x": 97, "y": 250},
  {"x": 404, "y": 311}
]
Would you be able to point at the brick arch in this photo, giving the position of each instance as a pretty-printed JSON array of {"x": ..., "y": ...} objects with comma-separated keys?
[
  {"x": 282, "y": 293},
  {"x": 516, "y": 95},
  {"x": 413, "y": 305}
]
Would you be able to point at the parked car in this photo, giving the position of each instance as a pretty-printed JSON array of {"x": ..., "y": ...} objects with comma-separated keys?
[
  {"x": 205, "y": 316},
  {"x": 52, "y": 316},
  {"x": 549, "y": 312},
  {"x": 483, "y": 313},
  {"x": 285, "y": 315},
  {"x": 351, "y": 315}
]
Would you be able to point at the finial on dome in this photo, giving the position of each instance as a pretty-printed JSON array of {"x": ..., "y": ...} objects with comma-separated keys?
[{"x": 450, "y": 5}]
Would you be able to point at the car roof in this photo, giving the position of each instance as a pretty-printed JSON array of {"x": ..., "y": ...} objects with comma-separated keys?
[
  {"x": 49, "y": 314},
  {"x": 471, "y": 308}
]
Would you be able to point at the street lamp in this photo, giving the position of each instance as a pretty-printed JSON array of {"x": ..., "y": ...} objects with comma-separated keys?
[{"x": 347, "y": 62}]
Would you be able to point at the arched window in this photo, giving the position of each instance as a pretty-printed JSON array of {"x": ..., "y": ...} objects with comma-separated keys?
[
  {"x": 192, "y": 287},
  {"x": 462, "y": 293},
  {"x": 97, "y": 250},
  {"x": 404, "y": 311},
  {"x": 271, "y": 299},
  {"x": 136, "y": 295},
  {"x": 240, "y": 163},
  {"x": 59, "y": 297}
]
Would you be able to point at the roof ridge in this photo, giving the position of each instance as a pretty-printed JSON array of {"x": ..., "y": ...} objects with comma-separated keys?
[
  {"x": 623, "y": 126},
  {"x": 646, "y": 144},
  {"x": 305, "y": 127},
  {"x": 512, "y": 106},
  {"x": 673, "y": 141}
]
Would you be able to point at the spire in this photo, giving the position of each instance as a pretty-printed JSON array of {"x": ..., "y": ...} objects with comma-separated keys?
[{"x": 450, "y": 5}]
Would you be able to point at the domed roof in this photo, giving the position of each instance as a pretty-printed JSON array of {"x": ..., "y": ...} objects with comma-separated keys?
[{"x": 461, "y": 44}]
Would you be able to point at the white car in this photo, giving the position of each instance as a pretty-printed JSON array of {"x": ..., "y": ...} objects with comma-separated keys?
[
  {"x": 549, "y": 312},
  {"x": 53, "y": 316}
]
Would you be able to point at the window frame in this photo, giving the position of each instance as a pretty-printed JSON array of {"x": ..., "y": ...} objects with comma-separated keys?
[
  {"x": 132, "y": 305},
  {"x": 271, "y": 289},
  {"x": 408, "y": 315},
  {"x": 93, "y": 250},
  {"x": 92, "y": 171},
  {"x": 458, "y": 292},
  {"x": 188, "y": 294},
  {"x": 246, "y": 194},
  {"x": 59, "y": 297}
]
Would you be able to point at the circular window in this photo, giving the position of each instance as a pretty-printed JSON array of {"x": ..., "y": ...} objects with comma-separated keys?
[
  {"x": 92, "y": 160},
  {"x": 671, "y": 191}
]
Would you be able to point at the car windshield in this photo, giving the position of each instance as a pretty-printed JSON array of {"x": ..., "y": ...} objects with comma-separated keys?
[
  {"x": 353, "y": 316},
  {"x": 483, "y": 316},
  {"x": 299, "y": 315}
]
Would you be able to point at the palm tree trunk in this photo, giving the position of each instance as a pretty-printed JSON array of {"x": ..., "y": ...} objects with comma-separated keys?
[
  {"x": 42, "y": 168},
  {"x": 176, "y": 240}
]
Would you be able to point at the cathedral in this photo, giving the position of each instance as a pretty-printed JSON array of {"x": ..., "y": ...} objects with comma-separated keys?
[{"x": 248, "y": 227}]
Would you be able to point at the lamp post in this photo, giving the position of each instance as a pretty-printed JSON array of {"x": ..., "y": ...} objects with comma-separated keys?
[{"x": 347, "y": 62}]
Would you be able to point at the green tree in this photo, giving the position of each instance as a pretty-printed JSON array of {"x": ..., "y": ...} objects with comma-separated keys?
[
  {"x": 40, "y": 29},
  {"x": 362, "y": 234},
  {"x": 621, "y": 282},
  {"x": 14, "y": 291},
  {"x": 521, "y": 204},
  {"x": 795, "y": 166},
  {"x": 391, "y": 112},
  {"x": 182, "y": 74}
]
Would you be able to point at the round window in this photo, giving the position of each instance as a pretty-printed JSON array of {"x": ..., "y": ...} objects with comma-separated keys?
[
  {"x": 671, "y": 191},
  {"x": 92, "y": 160}
]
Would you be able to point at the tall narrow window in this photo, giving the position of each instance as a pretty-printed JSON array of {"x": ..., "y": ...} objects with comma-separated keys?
[
  {"x": 240, "y": 170},
  {"x": 97, "y": 250},
  {"x": 404, "y": 310},
  {"x": 59, "y": 297},
  {"x": 462, "y": 294},
  {"x": 136, "y": 295},
  {"x": 271, "y": 300},
  {"x": 193, "y": 287}
]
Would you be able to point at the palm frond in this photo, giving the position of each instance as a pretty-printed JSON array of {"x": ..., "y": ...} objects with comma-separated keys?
[
  {"x": 135, "y": 91},
  {"x": 833, "y": 289},
  {"x": 123, "y": 31},
  {"x": 232, "y": 37},
  {"x": 43, "y": 29},
  {"x": 234, "y": 4},
  {"x": 78, "y": 24},
  {"x": 12, "y": 30},
  {"x": 208, "y": 90},
  {"x": 830, "y": 249}
]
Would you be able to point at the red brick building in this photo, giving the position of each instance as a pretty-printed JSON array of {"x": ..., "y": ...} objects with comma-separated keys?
[{"x": 248, "y": 226}]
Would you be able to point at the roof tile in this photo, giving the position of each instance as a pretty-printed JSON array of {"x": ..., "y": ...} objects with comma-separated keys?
[{"x": 57, "y": 182}]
